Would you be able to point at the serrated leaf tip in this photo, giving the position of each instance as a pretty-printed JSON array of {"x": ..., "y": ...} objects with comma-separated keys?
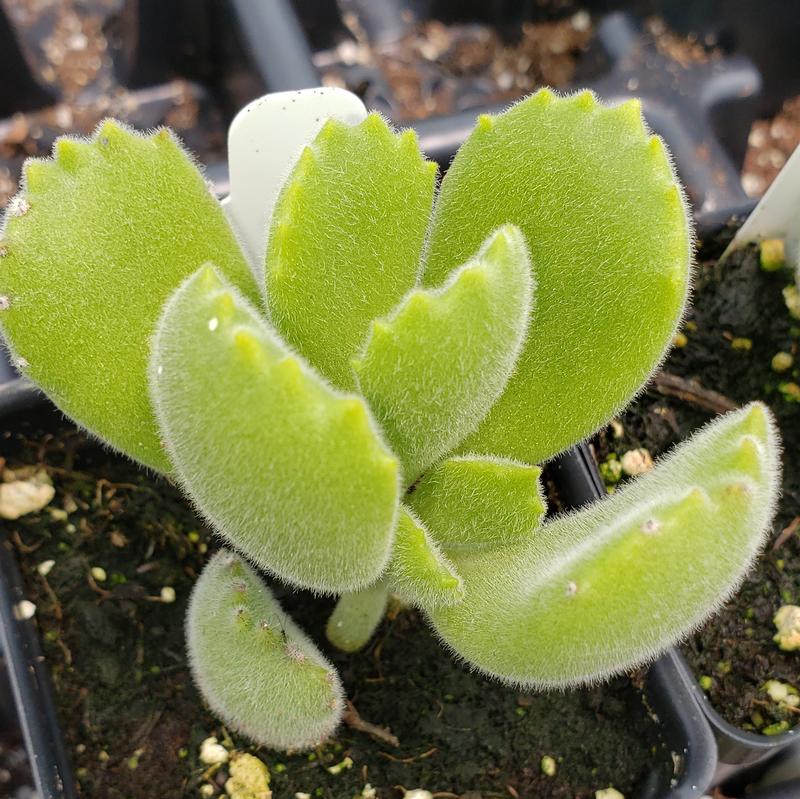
[
  {"x": 208, "y": 278},
  {"x": 376, "y": 125},
  {"x": 37, "y": 174},
  {"x": 629, "y": 115},
  {"x": 306, "y": 162},
  {"x": 69, "y": 152},
  {"x": 290, "y": 370},
  {"x": 586, "y": 100},
  {"x": 225, "y": 305},
  {"x": 110, "y": 132},
  {"x": 246, "y": 343},
  {"x": 542, "y": 98},
  {"x": 484, "y": 123}
]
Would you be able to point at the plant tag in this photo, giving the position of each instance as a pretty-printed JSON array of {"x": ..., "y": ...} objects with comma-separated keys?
[
  {"x": 265, "y": 140},
  {"x": 776, "y": 214}
]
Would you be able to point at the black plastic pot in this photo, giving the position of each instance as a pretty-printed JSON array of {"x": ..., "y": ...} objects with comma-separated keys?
[
  {"x": 234, "y": 50},
  {"x": 28, "y": 673}
]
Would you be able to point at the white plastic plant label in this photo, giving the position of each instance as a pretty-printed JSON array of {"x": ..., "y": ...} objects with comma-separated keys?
[
  {"x": 264, "y": 141},
  {"x": 776, "y": 215}
]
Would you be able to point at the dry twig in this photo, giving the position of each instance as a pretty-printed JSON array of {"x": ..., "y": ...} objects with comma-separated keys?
[
  {"x": 352, "y": 719},
  {"x": 691, "y": 391}
]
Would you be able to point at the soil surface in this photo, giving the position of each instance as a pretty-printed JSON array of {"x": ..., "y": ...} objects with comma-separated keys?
[
  {"x": 769, "y": 146},
  {"x": 437, "y": 69},
  {"x": 134, "y": 721},
  {"x": 738, "y": 322}
]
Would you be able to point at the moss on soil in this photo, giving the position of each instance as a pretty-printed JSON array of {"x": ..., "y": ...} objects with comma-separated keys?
[
  {"x": 736, "y": 300},
  {"x": 133, "y": 720}
]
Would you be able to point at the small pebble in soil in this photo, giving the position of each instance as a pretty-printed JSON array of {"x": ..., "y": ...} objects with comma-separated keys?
[
  {"x": 548, "y": 766},
  {"x": 791, "y": 297},
  {"x": 98, "y": 574},
  {"x": 338, "y": 768},
  {"x": 167, "y": 594},
  {"x": 212, "y": 752},
  {"x": 45, "y": 567},
  {"x": 636, "y": 462},
  {"x": 608, "y": 793},
  {"x": 417, "y": 793},
  {"x": 249, "y": 778},
  {"x": 20, "y": 497},
  {"x": 782, "y": 693},
  {"x": 782, "y": 361},
  {"x": 24, "y": 610},
  {"x": 787, "y": 622},
  {"x": 772, "y": 256},
  {"x": 679, "y": 340}
]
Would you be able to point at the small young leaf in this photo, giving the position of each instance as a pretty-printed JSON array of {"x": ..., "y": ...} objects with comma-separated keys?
[
  {"x": 473, "y": 502},
  {"x": 418, "y": 571},
  {"x": 356, "y": 617},
  {"x": 256, "y": 668},
  {"x": 346, "y": 238},
  {"x": 290, "y": 471},
  {"x": 435, "y": 367},
  {"x": 611, "y": 586},
  {"x": 606, "y": 224},
  {"x": 103, "y": 234}
]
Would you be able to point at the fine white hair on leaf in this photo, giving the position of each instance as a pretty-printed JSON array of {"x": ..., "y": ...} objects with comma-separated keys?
[
  {"x": 597, "y": 591},
  {"x": 257, "y": 669}
]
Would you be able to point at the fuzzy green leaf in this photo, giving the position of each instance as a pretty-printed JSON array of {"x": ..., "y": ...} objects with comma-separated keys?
[
  {"x": 418, "y": 571},
  {"x": 346, "y": 238},
  {"x": 356, "y": 617},
  {"x": 432, "y": 370},
  {"x": 92, "y": 248},
  {"x": 473, "y": 502},
  {"x": 607, "y": 229},
  {"x": 609, "y": 587},
  {"x": 256, "y": 668},
  {"x": 290, "y": 471}
]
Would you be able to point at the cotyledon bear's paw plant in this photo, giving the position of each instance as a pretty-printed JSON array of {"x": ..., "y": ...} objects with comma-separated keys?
[{"x": 360, "y": 413}]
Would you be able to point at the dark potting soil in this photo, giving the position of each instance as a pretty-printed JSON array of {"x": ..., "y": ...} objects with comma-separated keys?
[
  {"x": 738, "y": 322},
  {"x": 133, "y": 721}
]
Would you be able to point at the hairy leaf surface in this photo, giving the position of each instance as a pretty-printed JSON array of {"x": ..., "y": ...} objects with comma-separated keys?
[
  {"x": 418, "y": 571},
  {"x": 611, "y": 586},
  {"x": 472, "y": 502},
  {"x": 432, "y": 370},
  {"x": 345, "y": 239},
  {"x": 606, "y": 225},
  {"x": 292, "y": 472},
  {"x": 256, "y": 668},
  {"x": 92, "y": 248}
]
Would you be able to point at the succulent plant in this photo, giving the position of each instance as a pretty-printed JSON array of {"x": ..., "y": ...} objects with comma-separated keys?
[{"x": 361, "y": 413}]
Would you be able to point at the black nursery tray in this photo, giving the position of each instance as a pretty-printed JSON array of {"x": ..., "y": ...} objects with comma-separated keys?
[{"x": 224, "y": 53}]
